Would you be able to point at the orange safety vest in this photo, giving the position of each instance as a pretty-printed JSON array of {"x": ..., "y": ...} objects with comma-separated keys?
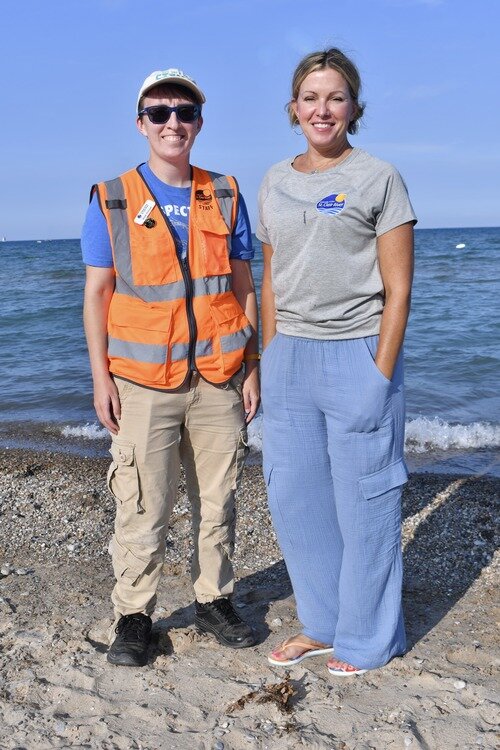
[{"x": 166, "y": 316}]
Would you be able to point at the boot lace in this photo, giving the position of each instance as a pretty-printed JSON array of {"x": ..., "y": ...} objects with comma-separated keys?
[
  {"x": 132, "y": 627},
  {"x": 225, "y": 608}
]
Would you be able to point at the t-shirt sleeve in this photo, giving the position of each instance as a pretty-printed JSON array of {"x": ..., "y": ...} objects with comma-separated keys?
[
  {"x": 241, "y": 239},
  {"x": 95, "y": 242},
  {"x": 261, "y": 231},
  {"x": 395, "y": 208}
]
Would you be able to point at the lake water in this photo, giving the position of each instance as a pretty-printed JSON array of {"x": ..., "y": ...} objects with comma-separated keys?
[{"x": 452, "y": 351}]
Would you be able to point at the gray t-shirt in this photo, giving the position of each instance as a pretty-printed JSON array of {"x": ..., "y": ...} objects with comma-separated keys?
[{"x": 323, "y": 229}]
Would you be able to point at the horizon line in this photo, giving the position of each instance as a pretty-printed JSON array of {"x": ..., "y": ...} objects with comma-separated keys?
[{"x": 77, "y": 239}]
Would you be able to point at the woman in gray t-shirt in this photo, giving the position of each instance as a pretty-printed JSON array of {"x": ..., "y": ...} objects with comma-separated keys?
[{"x": 337, "y": 231}]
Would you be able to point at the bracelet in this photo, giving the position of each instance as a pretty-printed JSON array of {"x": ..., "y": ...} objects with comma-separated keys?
[{"x": 252, "y": 358}]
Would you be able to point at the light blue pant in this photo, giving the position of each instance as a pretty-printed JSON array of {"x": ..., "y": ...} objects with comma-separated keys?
[{"x": 333, "y": 461}]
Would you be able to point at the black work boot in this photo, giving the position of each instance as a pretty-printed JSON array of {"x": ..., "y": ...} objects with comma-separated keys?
[
  {"x": 133, "y": 635},
  {"x": 220, "y": 619}
]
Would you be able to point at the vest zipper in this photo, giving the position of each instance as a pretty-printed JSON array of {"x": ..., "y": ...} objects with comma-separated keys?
[{"x": 193, "y": 331}]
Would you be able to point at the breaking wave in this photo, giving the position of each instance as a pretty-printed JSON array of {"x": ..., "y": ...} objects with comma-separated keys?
[
  {"x": 423, "y": 435},
  {"x": 87, "y": 431}
]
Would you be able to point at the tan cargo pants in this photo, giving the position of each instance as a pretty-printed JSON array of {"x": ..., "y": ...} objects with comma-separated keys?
[{"x": 203, "y": 427}]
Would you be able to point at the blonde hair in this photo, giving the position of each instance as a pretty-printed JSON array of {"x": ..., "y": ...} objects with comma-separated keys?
[{"x": 336, "y": 60}]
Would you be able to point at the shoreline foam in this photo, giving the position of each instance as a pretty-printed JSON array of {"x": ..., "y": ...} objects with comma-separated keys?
[{"x": 432, "y": 445}]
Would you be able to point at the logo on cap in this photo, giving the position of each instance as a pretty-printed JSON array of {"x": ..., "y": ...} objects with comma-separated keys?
[{"x": 170, "y": 73}]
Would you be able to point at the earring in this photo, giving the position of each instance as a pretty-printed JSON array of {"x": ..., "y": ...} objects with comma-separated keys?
[{"x": 297, "y": 132}]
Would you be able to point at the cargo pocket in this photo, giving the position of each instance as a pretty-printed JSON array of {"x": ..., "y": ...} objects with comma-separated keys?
[
  {"x": 227, "y": 543},
  {"x": 123, "y": 477},
  {"x": 382, "y": 481},
  {"x": 126, "y": 565},
  {"x": 232, "y": 329}
]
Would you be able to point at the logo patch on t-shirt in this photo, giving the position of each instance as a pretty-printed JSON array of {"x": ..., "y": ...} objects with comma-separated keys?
[{"x": 332, "y": 204}]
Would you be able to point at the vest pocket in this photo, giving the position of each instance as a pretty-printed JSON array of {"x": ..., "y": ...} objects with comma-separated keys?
[
  {"x": 139, "y": 344},
  {"x": 215, "y": 252},
  {"x": 232, "y": 330},
  {"x": 153, "y": 258}
]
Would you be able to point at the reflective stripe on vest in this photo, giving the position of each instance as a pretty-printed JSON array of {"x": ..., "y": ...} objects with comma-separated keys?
[
  {"x": 234, "y": 341},
  {"x": 176, "y": 289},
  {"x": 155, "y": 354},
  {"x": 225, "y": 198}
]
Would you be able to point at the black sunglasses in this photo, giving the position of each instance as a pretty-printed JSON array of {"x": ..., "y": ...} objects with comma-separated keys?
[{"x": 160, "y": 114}]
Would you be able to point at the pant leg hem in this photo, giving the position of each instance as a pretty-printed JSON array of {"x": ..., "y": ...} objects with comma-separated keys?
[{"x": 212, "y": 598}]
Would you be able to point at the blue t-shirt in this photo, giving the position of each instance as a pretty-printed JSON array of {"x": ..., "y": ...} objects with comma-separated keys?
[{"x": 175, "y": 201}]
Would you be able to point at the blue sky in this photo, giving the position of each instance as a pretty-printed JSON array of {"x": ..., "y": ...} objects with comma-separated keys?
[{"x": 71, "y": 70}]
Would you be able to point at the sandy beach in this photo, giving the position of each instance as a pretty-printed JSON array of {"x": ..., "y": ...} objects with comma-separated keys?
[{"x": 57, "y": 690}]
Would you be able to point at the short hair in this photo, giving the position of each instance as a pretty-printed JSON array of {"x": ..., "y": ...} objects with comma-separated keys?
[
  {"x": 170, "y": 89},
  {"x": 336, "y": 60}
]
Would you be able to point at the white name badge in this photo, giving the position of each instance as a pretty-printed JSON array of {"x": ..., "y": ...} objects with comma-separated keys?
[{"x": 144, "y": 212}]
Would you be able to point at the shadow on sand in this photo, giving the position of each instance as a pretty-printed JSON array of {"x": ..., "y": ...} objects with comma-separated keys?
[{"x": 449, "y": 536}]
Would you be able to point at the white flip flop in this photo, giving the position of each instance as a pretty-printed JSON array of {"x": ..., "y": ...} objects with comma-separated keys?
[
  {"x": 308, "y": 650},
  {"x": 343, "y": 672}
]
